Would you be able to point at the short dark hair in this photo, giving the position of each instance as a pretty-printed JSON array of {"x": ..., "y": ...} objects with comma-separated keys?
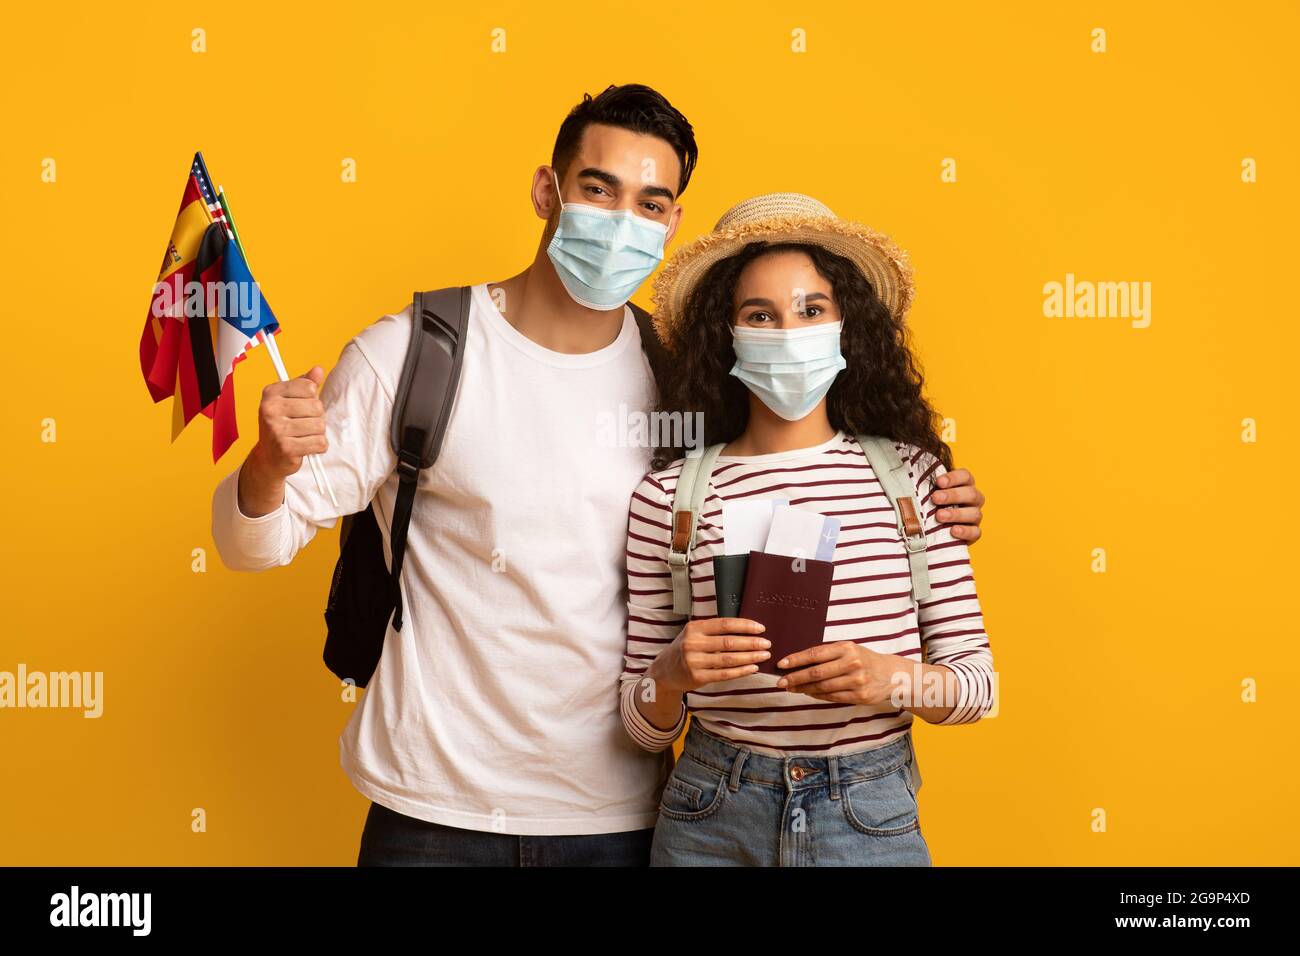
[{"x": 634, "y": 107}]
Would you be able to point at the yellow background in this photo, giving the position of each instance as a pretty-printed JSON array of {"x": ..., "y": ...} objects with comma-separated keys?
[{"x": 1120, "y": 691}]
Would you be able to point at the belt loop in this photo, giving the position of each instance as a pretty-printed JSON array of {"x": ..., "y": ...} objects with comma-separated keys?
[
  {"x": 914, "y": 770},
  {"x": 833, "y": 764},
  {"x": 734, "y": 783}
]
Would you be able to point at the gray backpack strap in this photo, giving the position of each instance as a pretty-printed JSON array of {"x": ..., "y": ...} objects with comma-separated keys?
[
  {"x": 427, "y": 388},
  {"x": 891, "y": 471},
  {"x": 688, "y": 503},
  {"x": 422, "y": 406}
]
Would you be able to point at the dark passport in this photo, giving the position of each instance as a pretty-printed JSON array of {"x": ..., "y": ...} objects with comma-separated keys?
[
  {"x": 791, "y": 604},
  {"x": 729, "y": 581}
]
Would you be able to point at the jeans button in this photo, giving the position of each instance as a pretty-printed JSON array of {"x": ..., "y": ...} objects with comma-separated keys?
[{"x": 797, "y": 774}]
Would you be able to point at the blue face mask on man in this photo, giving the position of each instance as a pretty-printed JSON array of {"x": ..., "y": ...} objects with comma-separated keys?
[
  {"x": 602, "y": 255},
  {"x": 790, "y": 370}
]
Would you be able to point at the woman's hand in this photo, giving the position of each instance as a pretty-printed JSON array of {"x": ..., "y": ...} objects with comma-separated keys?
[
  {"x": 962, "y": 502},
  {"x": 848, "y": 673},
  {"x": 844, "y": 672},
  {"x": 708, "y": 651}
]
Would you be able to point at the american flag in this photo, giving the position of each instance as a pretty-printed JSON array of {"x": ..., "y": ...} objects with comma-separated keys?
[{"x": 200, "y": 173}]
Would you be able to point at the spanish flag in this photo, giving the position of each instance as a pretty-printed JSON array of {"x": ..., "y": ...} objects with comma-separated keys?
[{"x": 206, "y": 313}]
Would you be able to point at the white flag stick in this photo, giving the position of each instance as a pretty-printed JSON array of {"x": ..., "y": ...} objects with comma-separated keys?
[
  {"x": 322, "y": 480},
  {"x": 317, "y": 469}
]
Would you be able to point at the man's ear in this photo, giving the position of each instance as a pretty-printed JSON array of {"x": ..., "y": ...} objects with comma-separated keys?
[
  {"x": 674, "y": 220},
  {"x": 545, "y": 200}
]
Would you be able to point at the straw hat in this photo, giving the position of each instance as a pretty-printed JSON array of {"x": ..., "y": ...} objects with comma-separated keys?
[{"x": 781, "y": 217}]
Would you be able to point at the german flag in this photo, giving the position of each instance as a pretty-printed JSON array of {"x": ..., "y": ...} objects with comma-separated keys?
[{"x": 205, "y": 314}]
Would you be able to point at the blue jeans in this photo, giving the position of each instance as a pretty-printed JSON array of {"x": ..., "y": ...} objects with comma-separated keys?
[
  {"x": 727, "y": 806},
  {"x": 394, "y": 839}
]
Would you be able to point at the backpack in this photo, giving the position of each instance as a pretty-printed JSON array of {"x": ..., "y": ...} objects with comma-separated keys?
[
  {"x": 693, "y": 488},
  {"x": 365, "y": 593}
]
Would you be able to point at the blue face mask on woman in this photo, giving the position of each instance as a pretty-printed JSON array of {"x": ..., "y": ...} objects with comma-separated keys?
[
  {"x": 601, "y": 255},
  {"x": 790, "y": 370}
]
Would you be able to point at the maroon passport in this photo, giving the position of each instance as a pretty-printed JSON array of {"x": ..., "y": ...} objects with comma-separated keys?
[{"x": 791, "y": 604}]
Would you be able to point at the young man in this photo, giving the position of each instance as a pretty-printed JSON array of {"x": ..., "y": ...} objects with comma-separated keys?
[{"x": 490, "y": 732}]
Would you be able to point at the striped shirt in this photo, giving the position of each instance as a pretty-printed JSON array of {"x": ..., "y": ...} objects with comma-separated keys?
[{"x": 870, "y": 600}]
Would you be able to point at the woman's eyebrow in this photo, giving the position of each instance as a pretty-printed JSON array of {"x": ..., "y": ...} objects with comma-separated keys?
[
  {"x": 764, "y": 302},
  {"x": 811, "y": 296}
]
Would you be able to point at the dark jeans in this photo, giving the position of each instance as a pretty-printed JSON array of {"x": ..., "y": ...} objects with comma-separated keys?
[{"x": 394, "y": 839}]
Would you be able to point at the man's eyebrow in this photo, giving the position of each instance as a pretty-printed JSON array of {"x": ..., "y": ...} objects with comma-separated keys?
[
  {"x": 661, "y": 191},
  {"x": 604, "y": 175},
  {"x": 613, "y": 182}
]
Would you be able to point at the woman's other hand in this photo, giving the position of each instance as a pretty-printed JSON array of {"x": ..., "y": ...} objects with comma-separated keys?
[{"x": 842, "y": 672}]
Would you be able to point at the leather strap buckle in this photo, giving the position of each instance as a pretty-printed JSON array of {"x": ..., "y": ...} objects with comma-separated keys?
[
  {"x": 909, "y": 523},
  {"x": 683, "y": 528}
]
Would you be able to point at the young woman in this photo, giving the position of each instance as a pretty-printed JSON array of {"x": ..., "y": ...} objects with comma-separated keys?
[{"x": 786, "y": 326}]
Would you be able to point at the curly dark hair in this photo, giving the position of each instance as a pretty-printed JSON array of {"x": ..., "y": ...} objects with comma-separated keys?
[{"x": 878, "y": 393}]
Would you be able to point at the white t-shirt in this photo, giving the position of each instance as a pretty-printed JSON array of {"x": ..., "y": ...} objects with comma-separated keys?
[{"x": 496, "y": 706}]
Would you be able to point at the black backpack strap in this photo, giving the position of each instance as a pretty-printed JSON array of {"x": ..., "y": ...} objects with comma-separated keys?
[
  {"x": 659, "y": 360},
  {"x": 655, "y": 352},
  {"x": 422, "y": 406}
]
